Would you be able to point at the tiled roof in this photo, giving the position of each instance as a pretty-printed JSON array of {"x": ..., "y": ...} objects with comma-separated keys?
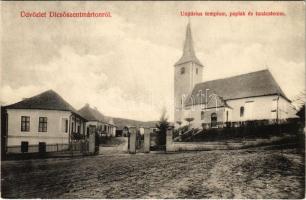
[
  {"x": 48, "y": 100},
  {"x": 259, "y": 83},
  {"x": 93, "y": 114}
]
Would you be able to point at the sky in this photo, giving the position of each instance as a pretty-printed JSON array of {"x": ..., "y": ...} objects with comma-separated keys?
[{"x": 124, "y": 65}]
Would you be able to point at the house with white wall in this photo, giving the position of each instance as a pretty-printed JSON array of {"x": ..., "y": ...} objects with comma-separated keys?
[
  {"x": 251, "y": 96},
  {"x": 97, "y": 122},
  {"x": 40, "y": 123}
]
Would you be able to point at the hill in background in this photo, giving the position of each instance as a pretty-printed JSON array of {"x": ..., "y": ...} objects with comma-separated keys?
[{"x": 121, "y": 122}]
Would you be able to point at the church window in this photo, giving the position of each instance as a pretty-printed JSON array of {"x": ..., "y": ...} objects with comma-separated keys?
[
  {"x": 197, "y": 71},
  {"x": 182, "y": 70},
  {"x": 227, "y": 116},
  {"x": 202, "y": 115},
  {"x": 241, "y": 111},
  {"x": 182, "y": 101}
]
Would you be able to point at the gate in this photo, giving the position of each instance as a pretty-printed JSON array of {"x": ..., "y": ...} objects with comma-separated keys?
[
  {"x": 139, "y": 143},
  {"x": 157, "y": 142}
]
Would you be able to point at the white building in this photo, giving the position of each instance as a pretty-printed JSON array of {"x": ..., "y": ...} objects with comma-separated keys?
[
  {"x": 251, "y": 96},
  {"x": 97, "y": 122},
  {"x": 45, "y": 122}
]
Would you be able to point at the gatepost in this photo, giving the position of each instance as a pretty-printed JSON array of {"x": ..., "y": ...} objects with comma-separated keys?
[
  {"x": 146, "y": 144},
  {"x": 132, "y": 148},
  {"x": 92, "y": 144},
  {"x": 169, "y": 139}
]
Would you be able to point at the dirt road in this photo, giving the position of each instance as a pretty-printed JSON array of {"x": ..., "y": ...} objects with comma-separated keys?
[{"x": 215, "y": 174}]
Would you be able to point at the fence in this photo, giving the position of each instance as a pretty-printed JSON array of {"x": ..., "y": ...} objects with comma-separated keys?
[
  {"x": 296, "y": 140},
  {"x": 35, "y": 148},
  {"x": 80, "y": 146},
  {"x": 241, "y": 130},
  {"x": 246, "y": 123}
]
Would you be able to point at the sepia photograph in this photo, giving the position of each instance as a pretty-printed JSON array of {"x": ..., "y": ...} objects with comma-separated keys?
[{"x": 152, "y": 99}]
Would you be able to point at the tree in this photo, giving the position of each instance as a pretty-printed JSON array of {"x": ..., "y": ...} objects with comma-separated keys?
[
  {"x": 162, "y": 126},
  {"x": 299, "y": 102},
  {"x": 301, "y": 113},
  {"x": 179, "y": 123},
  {"x": 189, "y": 119}
]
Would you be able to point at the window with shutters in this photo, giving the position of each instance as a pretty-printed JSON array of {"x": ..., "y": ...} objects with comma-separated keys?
[
  {"x": 25, "y": 123},
  {"x": 65, "y": 125},
  {"x": 43, "y": 122}
]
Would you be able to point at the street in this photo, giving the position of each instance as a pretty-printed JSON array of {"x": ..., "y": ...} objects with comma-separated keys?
[{"x": 253, "y": 173}]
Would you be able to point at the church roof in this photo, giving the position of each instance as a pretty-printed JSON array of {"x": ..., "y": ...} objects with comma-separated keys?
[
  {"x": 93, "y": 114},
  {"x": 259, "y": 83},
  {"x": 188, "y": 52},
  {"x": 48, "y": 100}
]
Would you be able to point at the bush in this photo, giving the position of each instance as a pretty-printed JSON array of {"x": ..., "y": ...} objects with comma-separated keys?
[
  {"x": 162, "y": 127},
  {"x": 182, "y": 129}
]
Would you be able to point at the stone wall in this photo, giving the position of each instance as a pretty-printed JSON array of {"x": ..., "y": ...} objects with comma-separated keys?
[{"x": 196, "y": 146}]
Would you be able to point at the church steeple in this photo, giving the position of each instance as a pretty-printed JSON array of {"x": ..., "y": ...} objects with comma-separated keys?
[
  {"x": 188, "y": 72},
  {"x": 188, "y": 51}
]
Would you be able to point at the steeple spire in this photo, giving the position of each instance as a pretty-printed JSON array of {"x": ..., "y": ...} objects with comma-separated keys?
[{"x": 188, "y": 51}]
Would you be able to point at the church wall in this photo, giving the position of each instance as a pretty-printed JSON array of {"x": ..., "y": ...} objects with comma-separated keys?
[
  {"x": 195, "y": 112},
  {"x": 181, "y": 88},
  {"x": 184, "y": 84},
  {"x": 259, "y": 108},
  {"x": 264, "y": 107}
]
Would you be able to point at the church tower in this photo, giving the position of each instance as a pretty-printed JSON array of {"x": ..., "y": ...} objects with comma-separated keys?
[{"x": 188, "y": 72}]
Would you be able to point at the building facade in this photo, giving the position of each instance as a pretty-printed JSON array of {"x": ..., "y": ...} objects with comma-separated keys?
[
  {"x": 40, "y": 123},
  {"x": 97, "y": 122},
  {"x": 251, "y": 96}
]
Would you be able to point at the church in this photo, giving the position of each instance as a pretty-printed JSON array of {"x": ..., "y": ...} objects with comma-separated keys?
[{"x": 245, "y": 97}]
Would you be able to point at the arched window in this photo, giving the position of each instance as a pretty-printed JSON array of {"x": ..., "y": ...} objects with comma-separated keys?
[
  {"x": 192, "y": 100},
  {"x": 213, "y": 120},
  {"x": 182, "y": 70},
  {"x": 241, "y": 111},
  {"x": 227, "y": 116},
  {"x": 200, "y": 98},
  {"x": 197, "y": 70},
  {"x": 202, "y": 115},
  {"x": 182, "y": 101}
]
